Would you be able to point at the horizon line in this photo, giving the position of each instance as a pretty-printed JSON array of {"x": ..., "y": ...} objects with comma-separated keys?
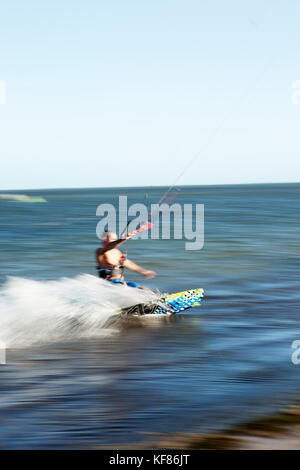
[{"x": 147, "y": 186}]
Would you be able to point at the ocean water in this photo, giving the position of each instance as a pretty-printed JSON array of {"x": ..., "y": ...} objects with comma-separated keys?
[{"x": 73, "y": 378}]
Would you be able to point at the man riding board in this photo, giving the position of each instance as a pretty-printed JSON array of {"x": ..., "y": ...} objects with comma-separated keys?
[{"x": 111, "y": 262}]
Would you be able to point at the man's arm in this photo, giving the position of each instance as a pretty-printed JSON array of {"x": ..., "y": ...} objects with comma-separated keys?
[
  {"x": 138, "y": 269},
  {"x": 115, "y": 244}
]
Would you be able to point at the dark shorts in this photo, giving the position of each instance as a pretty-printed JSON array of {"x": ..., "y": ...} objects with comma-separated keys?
[{"x": 121, "y": 281}]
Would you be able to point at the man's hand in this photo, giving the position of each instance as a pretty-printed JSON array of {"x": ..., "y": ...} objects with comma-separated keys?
[
  {"x": 149, "y": 274},
  {"x": 130, "y": 235}
]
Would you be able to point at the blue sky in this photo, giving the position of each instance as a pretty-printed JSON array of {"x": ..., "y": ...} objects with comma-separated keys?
[{"x": 126, "y": 92}]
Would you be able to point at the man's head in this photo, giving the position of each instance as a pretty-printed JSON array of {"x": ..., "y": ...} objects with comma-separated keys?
[{"x": 109, "y": 236}]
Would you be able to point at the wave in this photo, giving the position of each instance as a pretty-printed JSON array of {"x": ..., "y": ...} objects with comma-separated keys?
[
  {"x": 35, "y": 312},
  {"x": 22, "y": 198}
]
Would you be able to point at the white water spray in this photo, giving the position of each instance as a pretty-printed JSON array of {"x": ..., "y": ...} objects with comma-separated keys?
[{"x": 36, "y": 312}]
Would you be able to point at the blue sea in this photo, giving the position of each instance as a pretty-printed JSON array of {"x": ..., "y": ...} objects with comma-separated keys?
[{"x": 73, "y": 379}]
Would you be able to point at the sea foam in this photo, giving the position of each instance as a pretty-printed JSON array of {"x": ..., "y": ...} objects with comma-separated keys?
[{"x": 36, "y": 312}]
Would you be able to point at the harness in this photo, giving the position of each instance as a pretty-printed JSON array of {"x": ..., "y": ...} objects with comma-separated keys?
[{"x": 117, "y": 270}]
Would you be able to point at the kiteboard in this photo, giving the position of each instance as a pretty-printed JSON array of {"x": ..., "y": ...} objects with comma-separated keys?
[{"x": 167, "y": 305}]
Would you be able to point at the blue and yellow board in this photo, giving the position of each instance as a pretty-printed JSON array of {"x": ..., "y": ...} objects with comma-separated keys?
[{"x": 169, "y": 304}]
